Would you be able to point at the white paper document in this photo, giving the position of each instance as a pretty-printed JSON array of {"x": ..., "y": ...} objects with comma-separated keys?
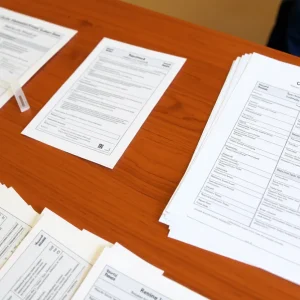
[
  {"x": 50, "y": 263},
  {"x": 98, "y": 111},
  {"x": 118, "y": 275},
  {"x": 102, "y": 244},
  {"x": 26, "y": 44},
  {"x": 240, "y": 197}
]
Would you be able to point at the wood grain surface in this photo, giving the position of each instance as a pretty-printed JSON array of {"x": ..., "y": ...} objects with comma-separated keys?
[{"x": 125, "y": 204}]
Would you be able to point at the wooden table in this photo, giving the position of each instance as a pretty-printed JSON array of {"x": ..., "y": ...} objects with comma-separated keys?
[{"x": 124, "y": 204}]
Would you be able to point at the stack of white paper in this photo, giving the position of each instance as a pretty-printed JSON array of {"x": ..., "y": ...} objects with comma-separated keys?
[
  {"x": 240, "y": 196},
  {"x": 56, "y": 260}
]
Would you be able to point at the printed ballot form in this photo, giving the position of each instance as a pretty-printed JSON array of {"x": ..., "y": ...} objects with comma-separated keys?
[
  {"x": 98, "y": 111},
  {"x": 26, "y": 44},
  {"x": 118, "y": 274},
  {"x": 240, "y": 197},
  {"x": 50, "y": 263}
]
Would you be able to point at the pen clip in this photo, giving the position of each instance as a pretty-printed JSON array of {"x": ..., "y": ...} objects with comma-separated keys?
[
  {"x": 10, "y": 82},
  {"x": 19, "y": 95}
]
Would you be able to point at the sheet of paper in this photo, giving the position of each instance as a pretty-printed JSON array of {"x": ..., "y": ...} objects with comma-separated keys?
[
  {"x": 98, "y": 111},
  {"x": 248, "y": 187},
  {"x": 15, "y": 200},
  {"x": 26, "y": 44},
  {"x": 117, "y": 277},
  {"x": 50, "y": 263},
  {"x": 15, "y": 223},
  {"x": 97, "y": 242},
  {"x": 126, "y": 254}
]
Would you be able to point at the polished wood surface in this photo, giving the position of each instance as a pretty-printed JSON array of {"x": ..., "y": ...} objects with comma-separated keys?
[{"x": 125, "y": 204}]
